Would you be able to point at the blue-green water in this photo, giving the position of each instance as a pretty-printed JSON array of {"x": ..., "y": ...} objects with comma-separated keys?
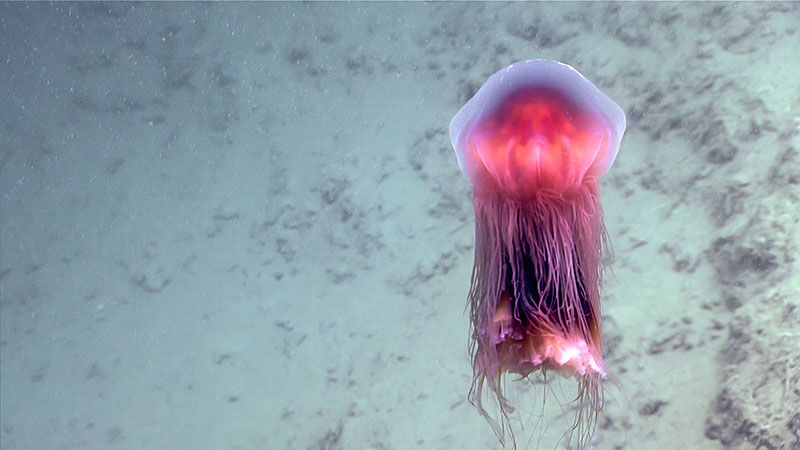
[{"x": 242, "y": 225}]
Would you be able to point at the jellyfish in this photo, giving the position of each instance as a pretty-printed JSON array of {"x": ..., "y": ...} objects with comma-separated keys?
[{"x": 533, "y": 142}]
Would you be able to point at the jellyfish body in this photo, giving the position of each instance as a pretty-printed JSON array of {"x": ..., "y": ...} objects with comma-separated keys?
[{"x": 533, "y": 142}]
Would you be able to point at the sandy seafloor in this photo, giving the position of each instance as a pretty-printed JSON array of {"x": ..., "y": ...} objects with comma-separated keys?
[{"x": 242, "y": 226}]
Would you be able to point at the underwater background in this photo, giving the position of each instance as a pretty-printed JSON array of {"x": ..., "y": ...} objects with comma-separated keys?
[{"x": 243, "y": 226}]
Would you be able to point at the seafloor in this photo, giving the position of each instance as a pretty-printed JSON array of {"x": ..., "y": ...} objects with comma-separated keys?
[{"x": 242, "y": 226}]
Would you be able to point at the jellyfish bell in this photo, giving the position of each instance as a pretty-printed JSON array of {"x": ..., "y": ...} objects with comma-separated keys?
[
  {"x": 533, "y": 142},
  {"x": 538, "y": 123}
]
